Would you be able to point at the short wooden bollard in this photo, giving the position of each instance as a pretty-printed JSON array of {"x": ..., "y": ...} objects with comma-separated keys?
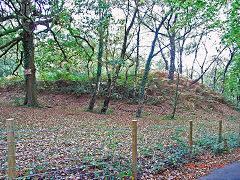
[
  {"x": 11, "y": 172},
  {"x": 134, "y": 149},
  {"x": 190, "y": 136},
  {"x": 220, "y": 132}
]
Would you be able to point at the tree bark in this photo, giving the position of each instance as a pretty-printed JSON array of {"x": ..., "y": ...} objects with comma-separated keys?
[
  {"x": 176, "y": 98},
  {"x": 172, "y": 53},
  {"x": 215, "y": 77},
  {"x": 122, "y": 56},
  {"x": 163, "y": 56},
  {"x": 147, "y": 68},
  {"x": 137, "y": 63},
  {"x": 28, "y": 59},
  {"x": 180, "y": 55},
  {"x": 225, "y": 71},
  {"x": 99, "y": 71},
  {"x": 195, "y": 56}
]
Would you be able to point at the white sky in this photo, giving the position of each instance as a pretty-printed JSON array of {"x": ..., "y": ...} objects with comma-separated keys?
[{"x": 146, "y": 40}]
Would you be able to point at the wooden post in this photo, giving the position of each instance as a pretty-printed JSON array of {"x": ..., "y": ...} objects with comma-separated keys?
[
  {"x": 134, "y": 149},
  {"x": 11, "y": 172},
  {"x": 220, "y": 132},
  {"x": 190, "y": 137}
]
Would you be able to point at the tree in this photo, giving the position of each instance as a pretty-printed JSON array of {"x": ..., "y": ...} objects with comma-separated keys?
[
  {"x": 94, "y": 20},
  {"x": 230, "y": 29},
  {"x": 148, "y": 63},
  {"x": 172, "y": 36},
  {"x": 127, "y": 29},
  {"x": 226, "y": 68},
  {"x": 24, "y": 17}
]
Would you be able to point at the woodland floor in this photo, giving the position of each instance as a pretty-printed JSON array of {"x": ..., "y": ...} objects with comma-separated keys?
[{"x": 67, "y": 112}]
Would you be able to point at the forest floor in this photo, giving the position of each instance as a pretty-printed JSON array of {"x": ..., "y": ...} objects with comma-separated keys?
[{"x": 66, "y": 112}]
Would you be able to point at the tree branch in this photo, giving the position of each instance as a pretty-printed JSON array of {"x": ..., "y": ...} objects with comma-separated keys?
[
  {"x": 6, "y": 32},
  {"x": 44, "y": 23},
  {"x": 20, "y": 63},
  {"x": 2, "y": 19},
  {"x": 196, "y": 80},
  {"x": 63, "y": 52},
  {"x": 10, "y": 47},
  {"x": 11, "y": 42},
  {"x": 76, "y": 36}
]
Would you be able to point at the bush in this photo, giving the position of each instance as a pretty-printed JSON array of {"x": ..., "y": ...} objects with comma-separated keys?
[{"x": 10, "y": 80}]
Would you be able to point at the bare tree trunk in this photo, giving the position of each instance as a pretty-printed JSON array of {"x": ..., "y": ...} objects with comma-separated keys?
[
  {"x": 176, "y": 98},
  {"x": 147, "y": 67},
  {"x": 163, "y": 56},
  {"x": 172, "y": 36},
  {"x": 195, "y": 56},
  {"x": 172, "y": 53},
  {"x": 202, "y": 76},
  {"x": 215, "y": 77},
  {"x": 180, "y": 55},
  {"x": 126, "y": 73},
  {"x": 202, "y": 66},
  {"x": 28, "y": 58},
  {"x": 107, "y": 100},
  {"x": 137, "y": 63},
  {"x": 225, "y": 70},
  {"x": 99, "y": 71},
  {"x": 108, "y": 75},
  {"x": 88, "y": 70}
]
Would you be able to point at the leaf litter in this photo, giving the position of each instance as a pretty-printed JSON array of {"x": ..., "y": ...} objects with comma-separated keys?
[{"x": 62, "y": 141}]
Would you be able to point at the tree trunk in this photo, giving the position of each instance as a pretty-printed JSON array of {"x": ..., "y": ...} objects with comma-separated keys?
[
  {"x": 215, "y": 77},
  {"x": 147, "y": 67},
  {"x": 195, "y": 56},
  {"x": 122, "y": 56},
  {"x": 165, "y": 60},
  {"x": 107, "y": 99},
  {"x": 105, "y": 104},
  {"x": 172, "y": 53},
  {"x": 137, "y": 63},
  {"x": 28, "y": 59},
  {"x": 29, "y": 66},
  {"x": 180, "y": 55},
  {"x": 225, "y": 71},
  {"x": 146, "y": 72},
  {"x": 202, "y": 76},
  {"x": 88, "y": 70},
  {"x": 176, "y": 98},
  {"x": 99, "y": 71}
]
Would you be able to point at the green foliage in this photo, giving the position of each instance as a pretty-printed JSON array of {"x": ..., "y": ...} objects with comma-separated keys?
[
  {"x": 210, "y": 143},
  {"x": 231, "y": 26},
  {"x": 232, "y": 83},
  {"x": 18, "y": 101},
  {"x": 6, "y": 69},
  {"x": 10, "y": 80}
]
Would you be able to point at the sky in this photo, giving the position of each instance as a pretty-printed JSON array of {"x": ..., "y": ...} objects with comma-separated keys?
[
  {"x": 146, "y": 38},
  {"x": 212, "y": 43}
]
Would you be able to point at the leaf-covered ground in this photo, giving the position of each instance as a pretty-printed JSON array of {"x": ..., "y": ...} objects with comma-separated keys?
[{"x": 63, "y": 139}]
